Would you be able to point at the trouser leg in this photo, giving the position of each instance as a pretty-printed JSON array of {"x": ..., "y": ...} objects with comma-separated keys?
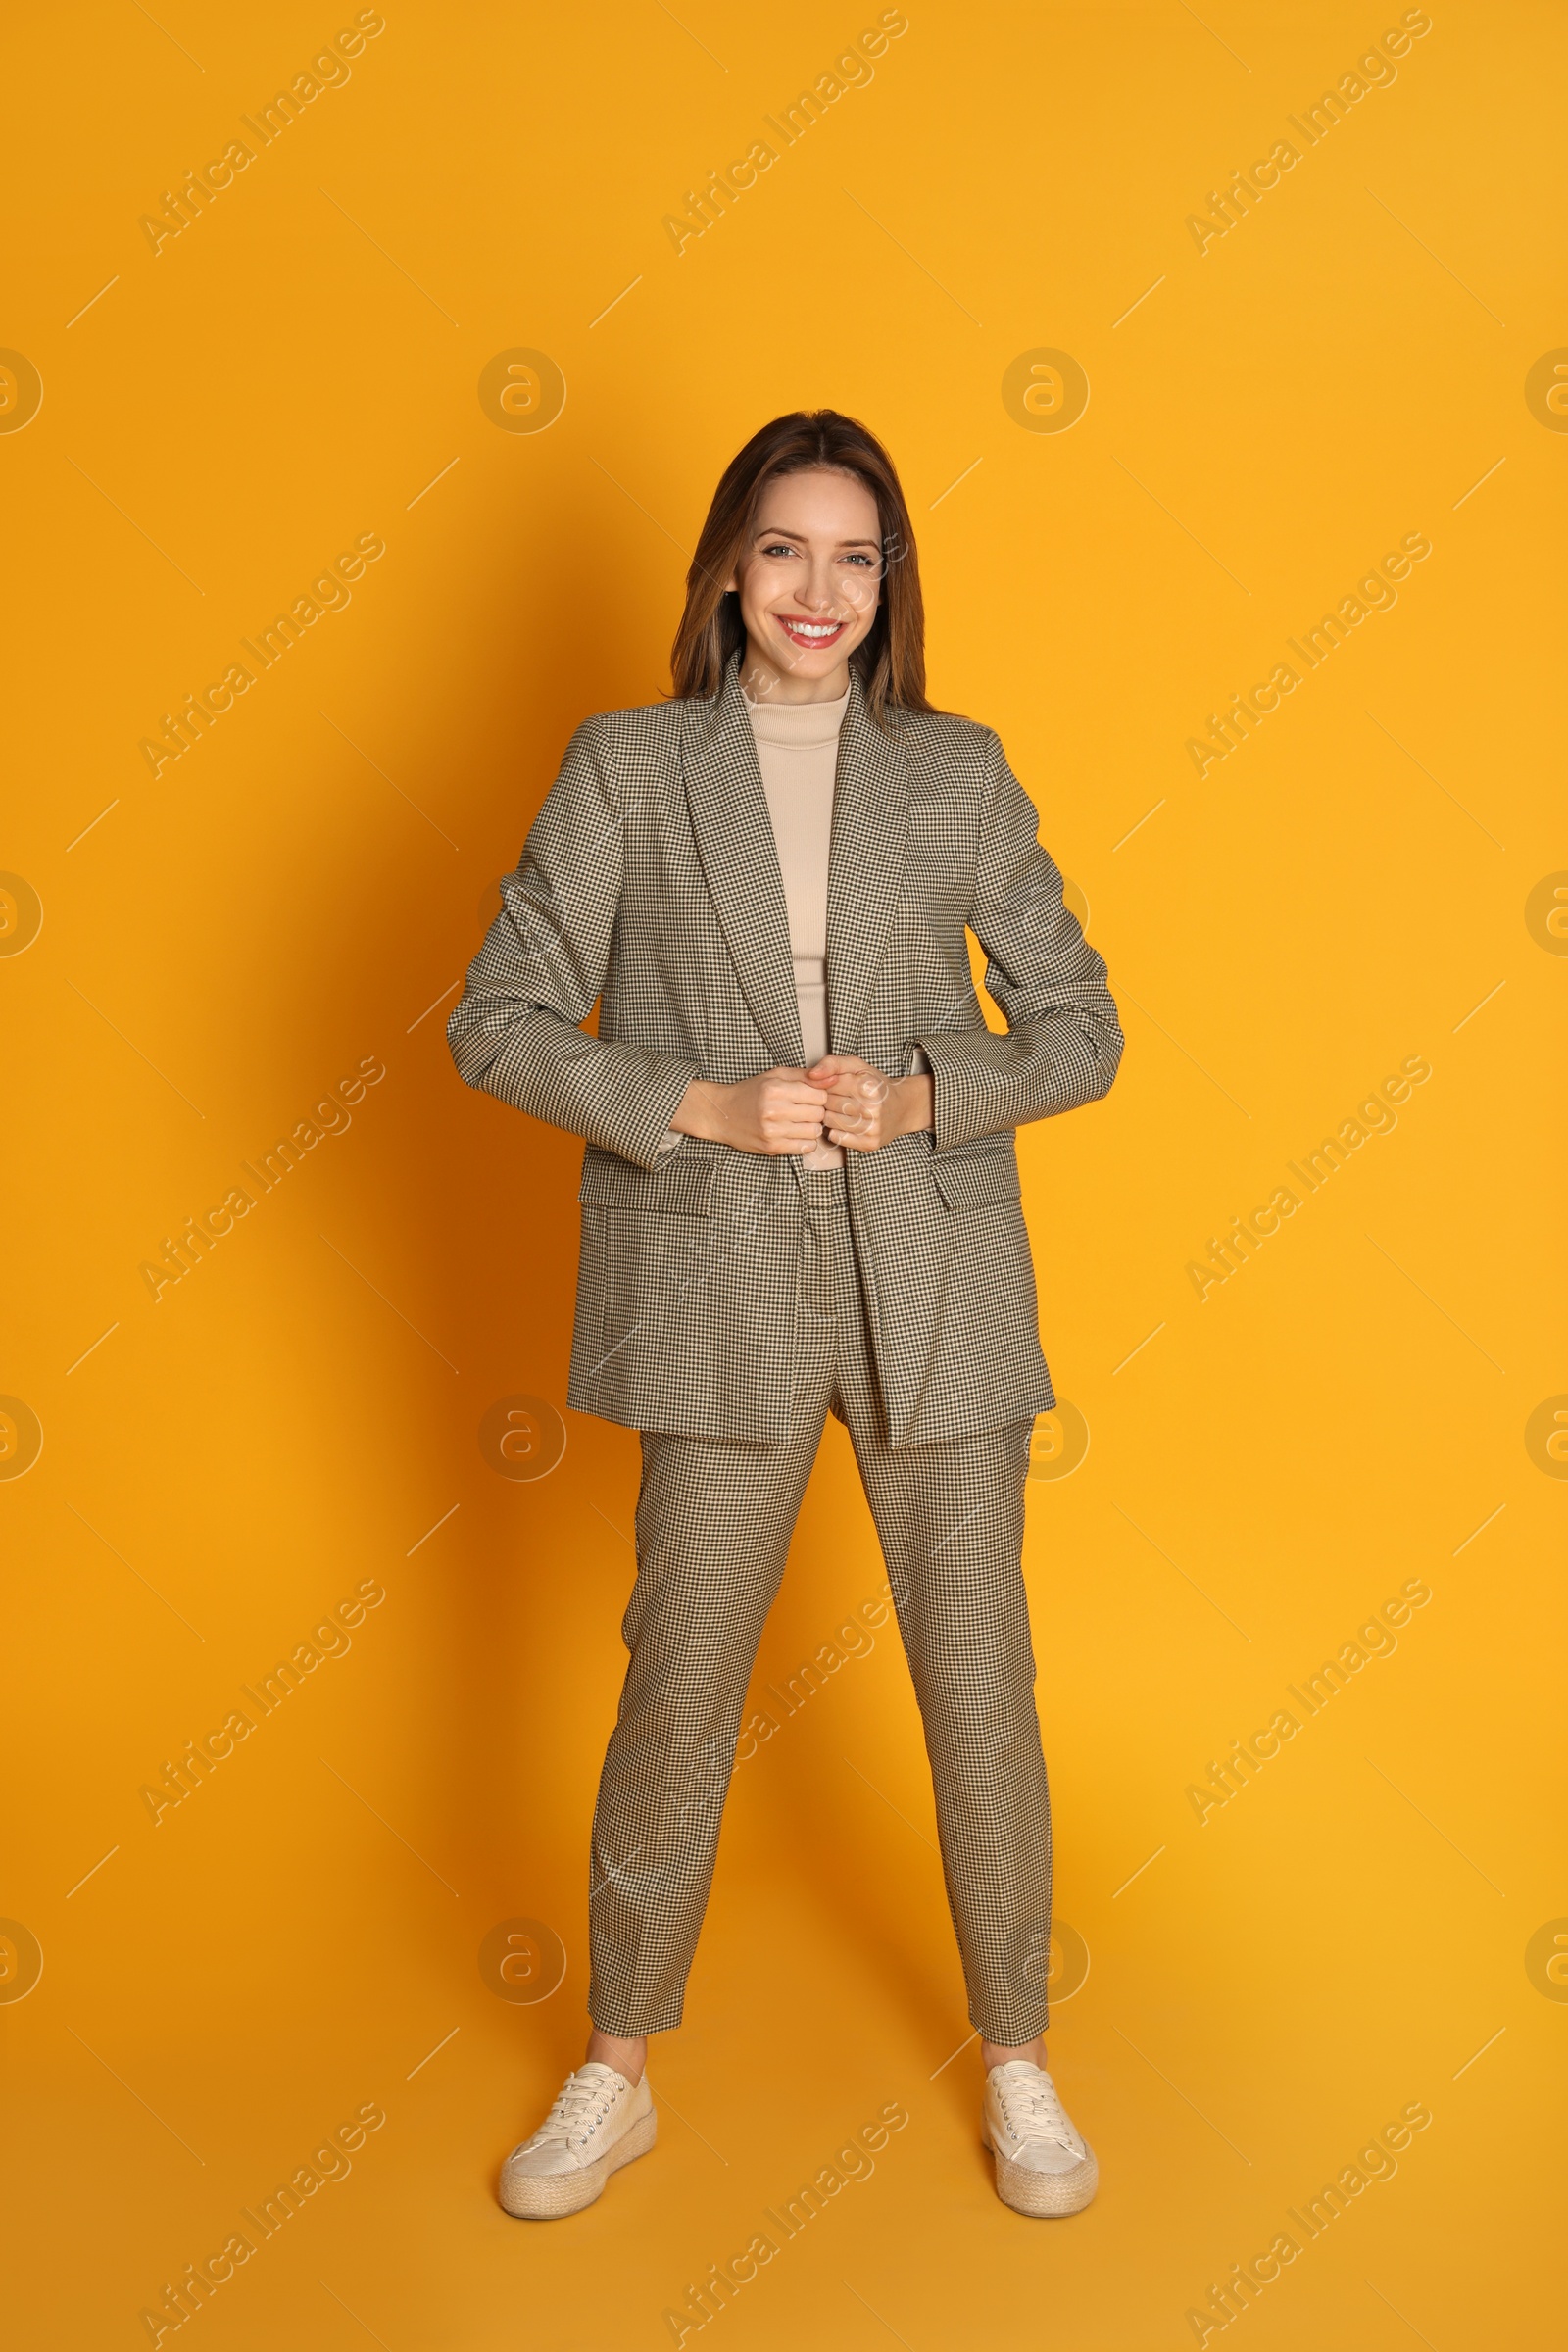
[
  {"x": 951, "y": 1519},
  {"x": 713, "y": 1527}
]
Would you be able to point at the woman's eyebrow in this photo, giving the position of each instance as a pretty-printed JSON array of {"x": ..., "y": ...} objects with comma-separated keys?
[{"x": 799, "y": 537}]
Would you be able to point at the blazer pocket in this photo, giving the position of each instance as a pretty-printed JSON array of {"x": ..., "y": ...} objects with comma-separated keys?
[
  {"x": 975, "y": 1182},
  {"x": 681, "y": 1190}
]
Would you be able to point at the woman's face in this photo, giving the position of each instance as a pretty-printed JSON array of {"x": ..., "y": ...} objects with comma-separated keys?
[{"x": 808, "y": 580}]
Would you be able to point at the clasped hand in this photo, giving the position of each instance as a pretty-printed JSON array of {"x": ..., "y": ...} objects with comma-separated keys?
[{"x": 840, "y": 1098}]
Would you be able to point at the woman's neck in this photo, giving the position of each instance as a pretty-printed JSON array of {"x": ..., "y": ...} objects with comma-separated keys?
[{"x": 764, "y": 681}]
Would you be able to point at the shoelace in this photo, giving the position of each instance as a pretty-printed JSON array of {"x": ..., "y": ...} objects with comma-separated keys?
[
  {"x": 1031, "y": 2109},
  {"x": 580, "y": 2102}
]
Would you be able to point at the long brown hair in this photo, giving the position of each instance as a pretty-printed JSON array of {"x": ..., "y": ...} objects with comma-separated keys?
[{"x": 891, "y": 658}]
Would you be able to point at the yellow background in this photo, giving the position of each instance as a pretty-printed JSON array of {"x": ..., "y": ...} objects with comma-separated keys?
[{"x": 298, "y": 890}]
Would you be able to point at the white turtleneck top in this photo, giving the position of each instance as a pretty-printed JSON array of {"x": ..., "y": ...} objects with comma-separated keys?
[{"x": 798, "y": 752}]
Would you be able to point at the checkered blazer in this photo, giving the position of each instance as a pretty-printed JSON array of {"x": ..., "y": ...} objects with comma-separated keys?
[{"x": 651, "y": 883}]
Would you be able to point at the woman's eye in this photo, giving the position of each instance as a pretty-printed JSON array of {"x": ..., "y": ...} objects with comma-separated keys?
[{"x": 779, "y": 551}]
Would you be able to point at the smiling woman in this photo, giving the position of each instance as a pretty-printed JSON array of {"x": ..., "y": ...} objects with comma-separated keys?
[
  {"x": 808, "y": 576},
  {"x": 800, "y": 1197},
  {"x": 803, "y": 531},
  {"x": 854, "y": 516}
]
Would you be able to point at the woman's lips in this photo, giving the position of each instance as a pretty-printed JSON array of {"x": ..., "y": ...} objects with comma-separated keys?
[{"x": 809, "y": 636}]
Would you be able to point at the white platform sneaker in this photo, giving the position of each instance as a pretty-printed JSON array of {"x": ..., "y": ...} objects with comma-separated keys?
[
  {"x": 599, "y": 2121},
  {"x": 1044, "y": 2163}
]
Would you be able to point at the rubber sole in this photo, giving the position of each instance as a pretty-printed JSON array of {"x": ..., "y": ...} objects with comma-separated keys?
[
  {"x": 1044, "y": 2196},
  {"x": 546, "y": 2197}
]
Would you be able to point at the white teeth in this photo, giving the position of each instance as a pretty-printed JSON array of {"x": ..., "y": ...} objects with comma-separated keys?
[{"x": 811, "y": 628}]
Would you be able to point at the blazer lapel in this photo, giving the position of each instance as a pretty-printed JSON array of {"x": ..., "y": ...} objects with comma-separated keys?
[
  {"x": 865, "y": 866},
  {"x": 734, "y": 835}
]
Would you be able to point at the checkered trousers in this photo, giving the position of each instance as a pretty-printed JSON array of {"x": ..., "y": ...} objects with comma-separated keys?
[{"x": 714, "y": 1519}]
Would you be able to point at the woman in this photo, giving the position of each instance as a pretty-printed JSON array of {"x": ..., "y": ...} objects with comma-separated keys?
[{"x": 799, "y": 1195}]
